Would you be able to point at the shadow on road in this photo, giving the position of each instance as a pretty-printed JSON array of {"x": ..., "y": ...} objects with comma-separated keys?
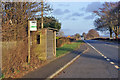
[
  {"x": 102, "y": 42},
  {"x": 99, "y": 58}
]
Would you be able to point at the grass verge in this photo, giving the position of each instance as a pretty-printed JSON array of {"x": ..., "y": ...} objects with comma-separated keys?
[{"x": 68, "y": 48}]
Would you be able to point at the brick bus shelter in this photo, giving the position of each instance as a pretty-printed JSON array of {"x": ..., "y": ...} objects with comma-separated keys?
[{"x": 44, "y": 41}]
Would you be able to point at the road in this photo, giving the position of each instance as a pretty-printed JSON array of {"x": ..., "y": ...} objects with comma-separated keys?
[{"x": 100, "y": 62}]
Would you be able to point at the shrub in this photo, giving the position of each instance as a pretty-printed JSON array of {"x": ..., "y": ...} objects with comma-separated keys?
[
  {"x": 61, "y": 41},
  {"x": 13, "y": 57}
]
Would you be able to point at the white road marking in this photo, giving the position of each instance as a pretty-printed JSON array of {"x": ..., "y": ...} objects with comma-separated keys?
[
  {"x": 102, "y": 54},
  {"x": 112, "y": 62},
  {"x": 64, "y": 67},
  {"x": 108, "y": 59},
  {"x": 105, "y": 57},
  {"x": 116, "y": 66}
]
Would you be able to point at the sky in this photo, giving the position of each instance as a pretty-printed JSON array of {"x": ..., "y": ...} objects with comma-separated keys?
[{"x": 75, "y": 17}]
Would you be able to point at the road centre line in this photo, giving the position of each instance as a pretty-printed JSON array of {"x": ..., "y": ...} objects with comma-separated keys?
[
  {"x": 117, "y": 67},
  {"x": 102, "y": 55},
  {"x": 112, "y": 62},
  {"x": 105, "y": 57},
  {"x": 94, "y": 48},
  {"x": 108, "y": 59}
]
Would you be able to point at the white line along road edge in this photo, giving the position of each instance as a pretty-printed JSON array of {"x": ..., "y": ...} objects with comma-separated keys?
[
  {"x": 65, "y": 66},
  {"x": 117, "y": 67}
]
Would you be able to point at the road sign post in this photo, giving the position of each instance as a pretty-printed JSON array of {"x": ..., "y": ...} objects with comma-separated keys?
[
  {"x": 32, "y": 26},
  {"x": 28, "y": 42}
]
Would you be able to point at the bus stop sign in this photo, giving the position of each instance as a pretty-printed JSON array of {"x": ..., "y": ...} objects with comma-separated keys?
[{"x": 33, "y": 25}]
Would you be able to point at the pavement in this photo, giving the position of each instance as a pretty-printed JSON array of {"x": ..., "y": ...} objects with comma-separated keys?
[
  {"x": 52, "y": 67},
  {"x": 95, "y": 63}
]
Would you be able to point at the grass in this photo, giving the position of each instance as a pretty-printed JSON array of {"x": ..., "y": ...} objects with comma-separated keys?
[
  {"x": 1, "y": 77},
  {"x": 67, "y": 48},
  {"x": 57, "y": 37}
]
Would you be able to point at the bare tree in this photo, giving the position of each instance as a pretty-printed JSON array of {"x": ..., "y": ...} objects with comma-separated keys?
[
  {"x": 92, "y": 34},
  {"x": 109, "y": 17},
  {"x": 16, "y": 16},
  {"x": 102, "y": 25}
]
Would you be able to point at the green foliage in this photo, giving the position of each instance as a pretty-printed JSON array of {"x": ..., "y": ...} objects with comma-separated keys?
[
  {"x": 50, "y": 22},
  {"x": 18, "y": 71},
  {"x": 3, "y": 76},
  {"x": 57, "y": 37}
]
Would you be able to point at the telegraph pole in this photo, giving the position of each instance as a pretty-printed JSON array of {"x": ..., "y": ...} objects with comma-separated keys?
[
  {"x": 41, "y": 13},
  {"x": 28, "y": 41}
]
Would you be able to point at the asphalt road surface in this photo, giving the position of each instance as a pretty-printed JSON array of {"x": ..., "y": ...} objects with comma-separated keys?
[{"x": 93, "y": 64}]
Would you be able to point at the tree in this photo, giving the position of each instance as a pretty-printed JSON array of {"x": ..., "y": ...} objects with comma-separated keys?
[
  {"x": 50, "y": 22},
  {"x": 16, "y": 16},
  {"x": 92, "y": 34},
  {"x": 77, "y": 36},
  {"x": 84, "y": 35},
  {"x": 101, "y": 25},
  {"x": 109, "y": 16},
  {"x": 115, "y": 15}
]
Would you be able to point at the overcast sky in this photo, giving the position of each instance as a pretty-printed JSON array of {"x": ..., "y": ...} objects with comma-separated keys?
[{"x": 76, "y": 17}]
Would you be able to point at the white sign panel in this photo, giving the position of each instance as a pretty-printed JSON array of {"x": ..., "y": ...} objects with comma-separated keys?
[{"x": 33, "y": 25}]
